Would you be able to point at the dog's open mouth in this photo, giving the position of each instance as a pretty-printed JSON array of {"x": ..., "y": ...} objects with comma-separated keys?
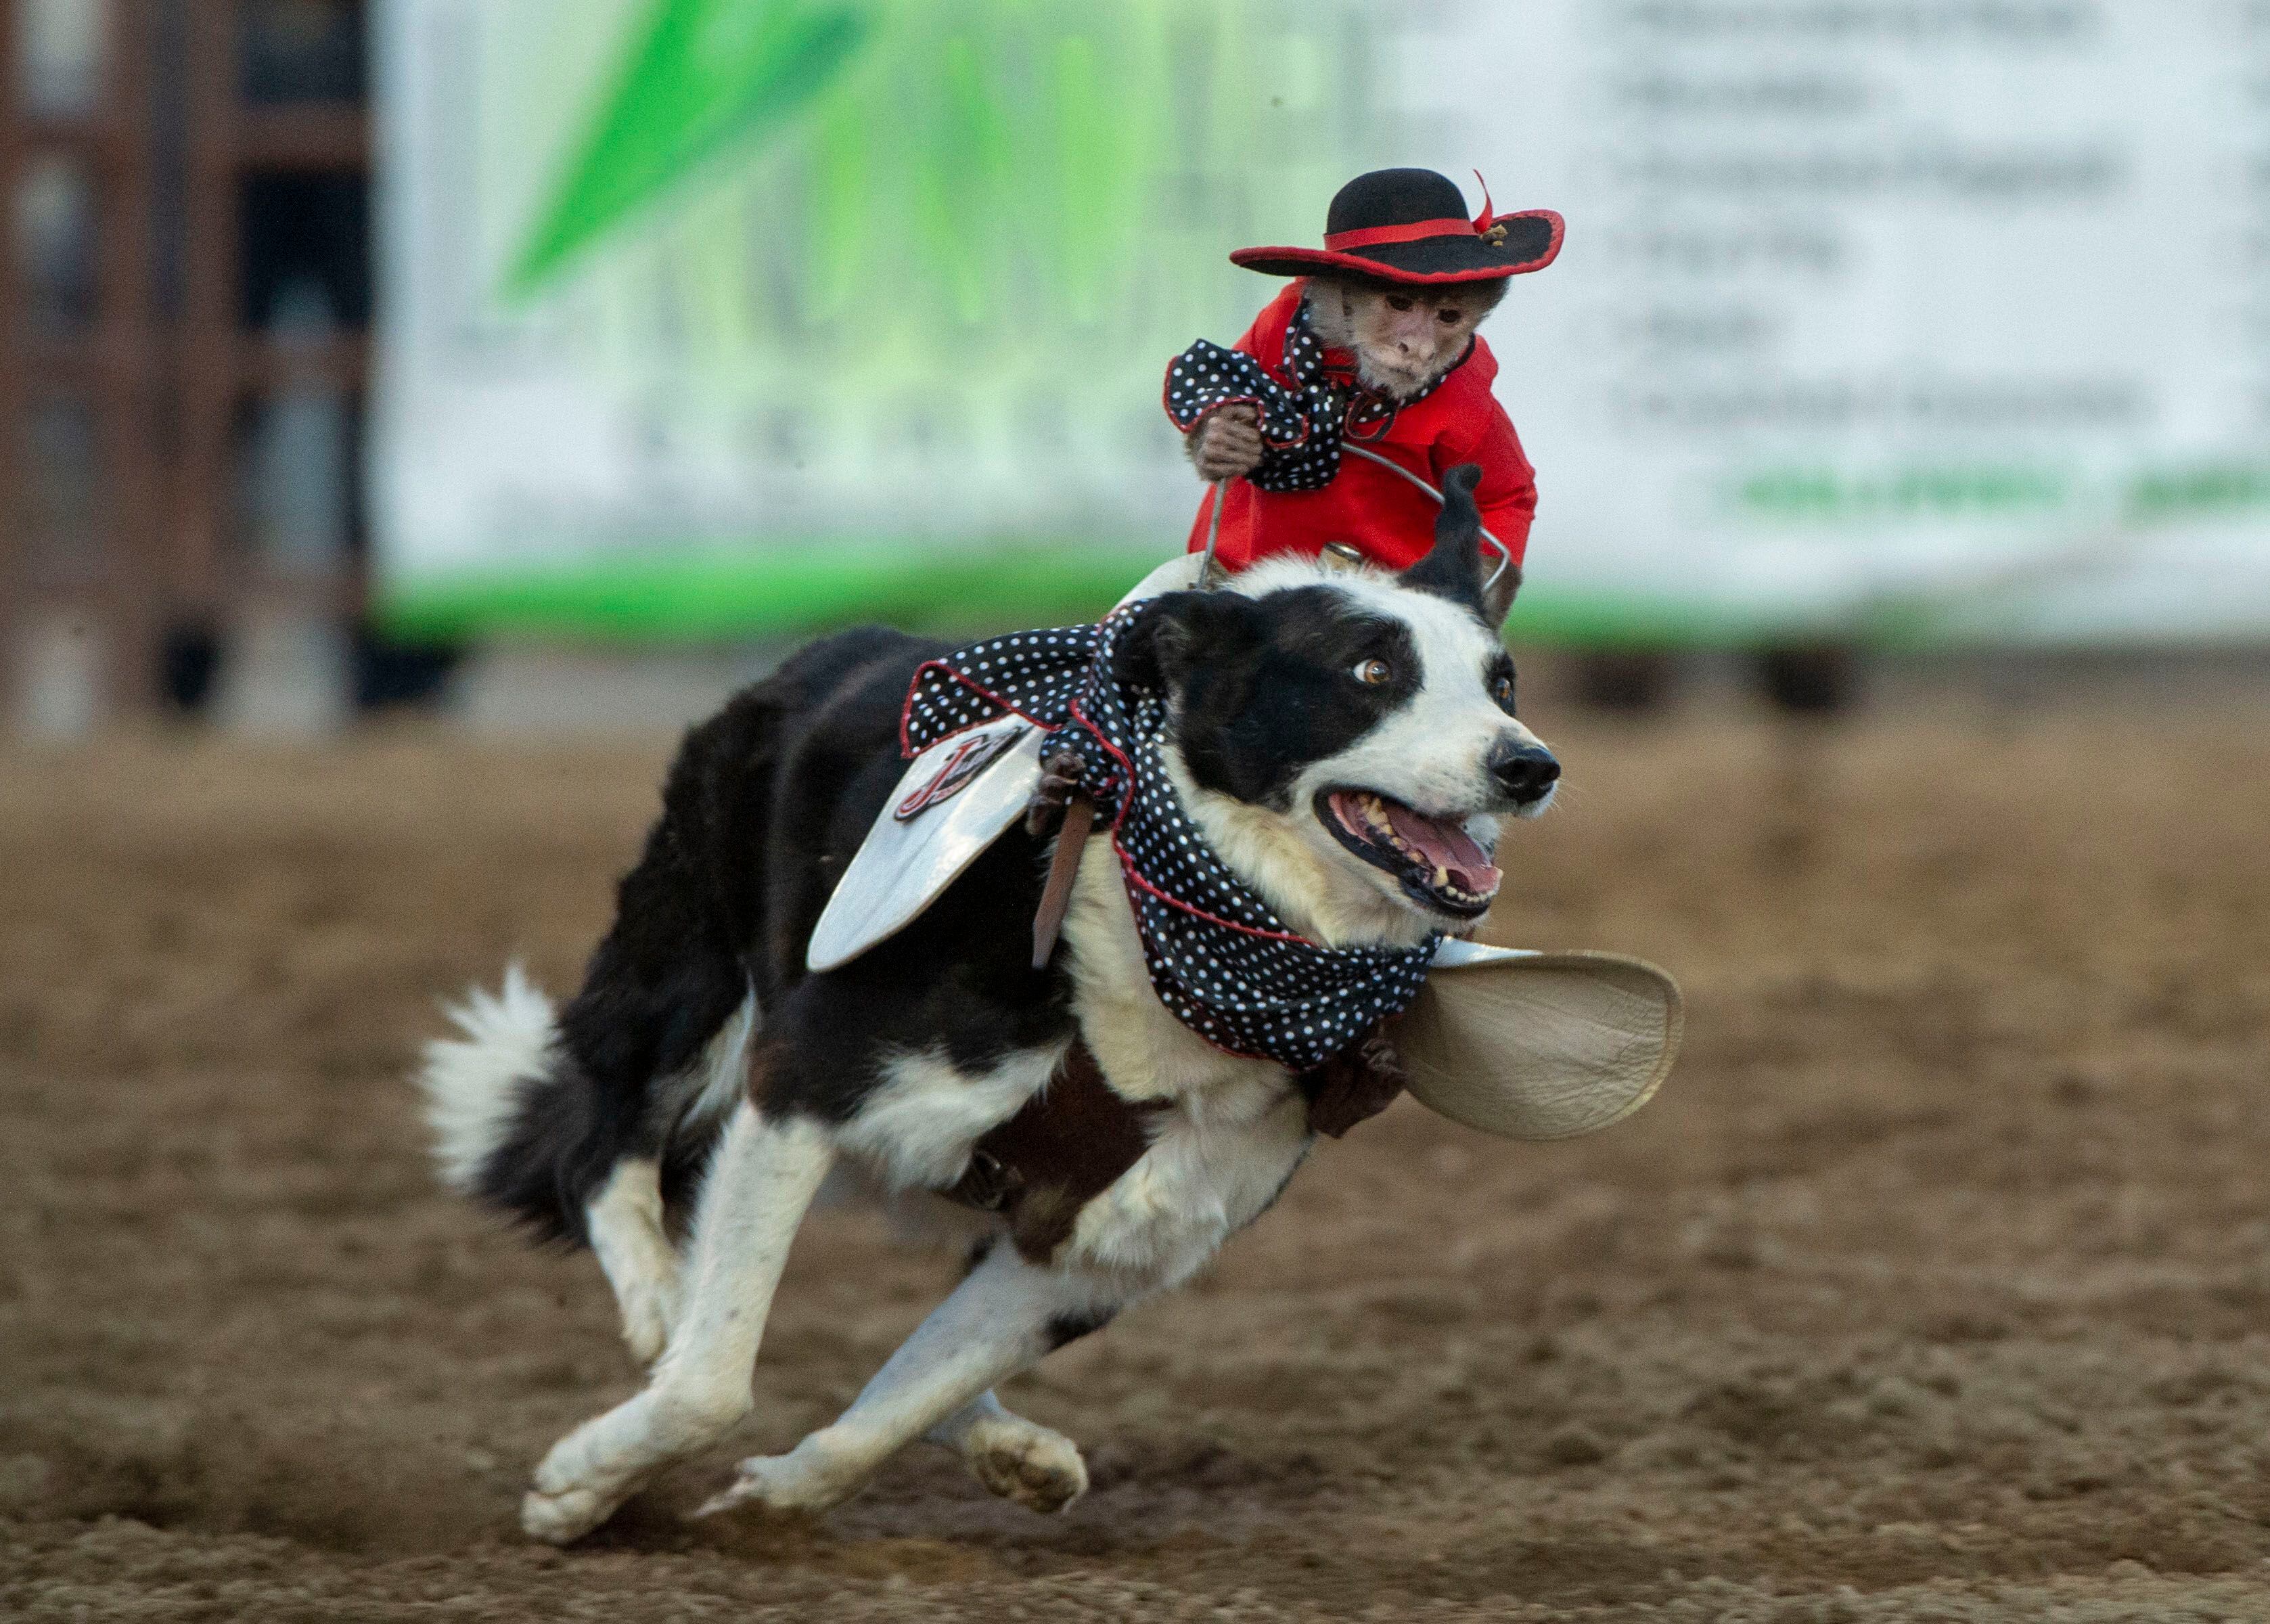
[{"x": 1439, "y": 864}]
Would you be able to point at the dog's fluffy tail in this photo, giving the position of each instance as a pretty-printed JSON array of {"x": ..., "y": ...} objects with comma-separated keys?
[
  {"x": 477, "y": 1083},
  {"x": 512, "y": 1119}
]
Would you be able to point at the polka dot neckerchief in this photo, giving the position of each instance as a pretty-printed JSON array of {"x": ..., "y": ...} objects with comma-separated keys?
[
  {"x": 1220, "y": 957},
  {"x": 1305, "y": 409}
]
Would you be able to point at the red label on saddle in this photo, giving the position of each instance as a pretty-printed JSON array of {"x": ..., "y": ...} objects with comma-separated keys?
[{"x": 962, "y": 764}]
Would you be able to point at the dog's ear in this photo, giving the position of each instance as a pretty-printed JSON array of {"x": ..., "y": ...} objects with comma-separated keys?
[
  {"x": 1452, "y": 567},
  {"x": 1173, "y": 632}
]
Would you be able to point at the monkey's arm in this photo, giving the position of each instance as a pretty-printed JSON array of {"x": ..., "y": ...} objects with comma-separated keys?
[{"x": 1225, "y": 440}]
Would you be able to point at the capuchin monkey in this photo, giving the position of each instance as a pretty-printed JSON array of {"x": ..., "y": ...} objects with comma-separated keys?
[{"x": 1403, "y": 337}]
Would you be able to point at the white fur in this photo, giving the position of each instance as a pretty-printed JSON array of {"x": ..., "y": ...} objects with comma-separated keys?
[
  {"x": 1432, "y": 754},
  {"x": 624, "y": 1220},
  {"x": 994, "y": 1324},
  {"x": 471, "y": 1082},
  {"x": 1231, "y": 1133},
  {"x": 625, "y": 1224},
  {"x": 1226, "y": 1133},
  {"x": 1215, "y": 1163},
  {"x": 916, "y": 1129},
  {"x": 706, "y": 1092},
  {"x": 1142, "y": 1048},
  {"x": 1034, "y": 1465},
  {"x": 760, "y": 1181},
  {"x": 1233, "y": 1130}
]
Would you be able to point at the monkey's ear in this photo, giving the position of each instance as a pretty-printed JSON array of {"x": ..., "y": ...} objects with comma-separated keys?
[
  {"x": 1452, "y": 567},
  {"x": 1173, "y": 633}
]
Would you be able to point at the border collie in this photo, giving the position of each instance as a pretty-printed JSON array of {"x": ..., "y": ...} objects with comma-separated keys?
[{"x": 1329, "y": 733}]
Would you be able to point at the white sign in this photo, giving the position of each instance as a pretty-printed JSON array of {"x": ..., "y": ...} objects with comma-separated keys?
[{"x": 1924, "y": 320}]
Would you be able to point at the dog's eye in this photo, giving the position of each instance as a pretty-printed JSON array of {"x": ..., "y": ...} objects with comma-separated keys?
[
  {"x": 1501, "y": 691},
  {"x": 1374, "y": 671}
]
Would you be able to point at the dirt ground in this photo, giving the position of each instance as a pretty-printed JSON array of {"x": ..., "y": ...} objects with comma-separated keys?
[{"x": 1936, "y": 1285}]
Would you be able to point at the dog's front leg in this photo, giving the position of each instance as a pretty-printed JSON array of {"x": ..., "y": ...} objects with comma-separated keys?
[
  {"x": 1004, "y": 1318},
  {"x": 760, "y": 1181}
]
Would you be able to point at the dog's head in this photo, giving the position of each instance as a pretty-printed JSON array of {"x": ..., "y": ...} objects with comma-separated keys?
[{"x": 1346, "y": 740}]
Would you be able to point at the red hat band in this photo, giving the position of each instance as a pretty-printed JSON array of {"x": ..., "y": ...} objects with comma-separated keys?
[{"x": 1417, "y": 231}]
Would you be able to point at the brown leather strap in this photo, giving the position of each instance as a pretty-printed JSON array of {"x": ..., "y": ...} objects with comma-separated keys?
[
  {"x": 1067, "y": 1145},
  {"x": 1055, "y": 895}
]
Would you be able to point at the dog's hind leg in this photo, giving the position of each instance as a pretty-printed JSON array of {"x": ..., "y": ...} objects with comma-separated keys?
[
  {"x": 625, "y": 1222},
  {"x": 1003, "y": 1318},
  {"x": 1020, "y": 1460},
  {"x": 762, "y": 1180},
  {"x": 625, "y": 1219}
]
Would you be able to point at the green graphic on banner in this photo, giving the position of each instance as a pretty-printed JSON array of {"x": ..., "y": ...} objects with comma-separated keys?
[
  {"x": 709, "y": 74},
  {"x": 762, "y": 314},
  {"x": 934, "y": 168}
]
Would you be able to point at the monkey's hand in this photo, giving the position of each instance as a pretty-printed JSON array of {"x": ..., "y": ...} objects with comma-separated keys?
[
  {"x": 1227, "y": 444},
  {"x": 1353, "y": 1086},
  {"x": 1059, "y": 777}
]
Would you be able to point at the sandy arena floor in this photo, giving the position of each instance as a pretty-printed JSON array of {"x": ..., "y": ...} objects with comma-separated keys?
[{"x": 1936, "y": 1286}]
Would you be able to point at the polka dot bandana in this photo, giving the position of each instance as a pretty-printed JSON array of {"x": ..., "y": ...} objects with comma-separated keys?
[
  {"x": 1303, "y": 417},
  {"x": 1220, "y": 957}
]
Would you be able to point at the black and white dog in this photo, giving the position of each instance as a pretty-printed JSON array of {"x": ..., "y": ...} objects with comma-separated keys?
[{"x": 1338, "y": 737}]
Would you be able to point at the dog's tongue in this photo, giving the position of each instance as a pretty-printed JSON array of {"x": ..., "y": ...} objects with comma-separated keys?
[{"x": 1448, "y": 846}]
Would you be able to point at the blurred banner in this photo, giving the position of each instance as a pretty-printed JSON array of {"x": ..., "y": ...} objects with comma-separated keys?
[{"x": 1912, "y": 320}]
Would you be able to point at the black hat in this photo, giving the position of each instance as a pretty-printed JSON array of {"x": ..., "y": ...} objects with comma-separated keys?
[{"x": 1411, "y": 226}]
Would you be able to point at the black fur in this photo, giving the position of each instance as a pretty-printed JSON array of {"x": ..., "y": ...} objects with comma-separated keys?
[
  {"x": 764, "y": 805},
  {"x": 1266, "y": 688},
  {"x": 1452, "y": 567},
  {"x": 766, "y": 802},
  {"x": 1072, "y": 1327}
]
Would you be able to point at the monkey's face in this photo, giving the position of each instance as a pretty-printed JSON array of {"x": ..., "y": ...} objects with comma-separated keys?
[{"x": 1405, "y": 337}]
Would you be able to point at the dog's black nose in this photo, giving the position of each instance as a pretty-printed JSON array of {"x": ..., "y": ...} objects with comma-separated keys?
[{"x": 1524, "y": 772}]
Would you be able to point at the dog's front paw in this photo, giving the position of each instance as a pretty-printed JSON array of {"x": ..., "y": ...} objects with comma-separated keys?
[
  {"x": 573, "y": 1493},
  {"x": 1023, "y": 1461}
]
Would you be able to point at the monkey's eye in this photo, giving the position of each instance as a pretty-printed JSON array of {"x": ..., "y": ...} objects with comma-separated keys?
[
  {"x": 1450, "y": 315},
  {"x": 1501, "y": 689},
  {"x": 1373, "y": 672},
  {"x": 1398, "y": 301}
]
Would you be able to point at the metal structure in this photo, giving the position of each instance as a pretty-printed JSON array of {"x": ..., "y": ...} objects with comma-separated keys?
[{"x": 163, "y": 363}]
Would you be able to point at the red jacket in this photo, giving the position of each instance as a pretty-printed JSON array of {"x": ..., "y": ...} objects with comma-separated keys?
[{"x": 1386, "y": 518}]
